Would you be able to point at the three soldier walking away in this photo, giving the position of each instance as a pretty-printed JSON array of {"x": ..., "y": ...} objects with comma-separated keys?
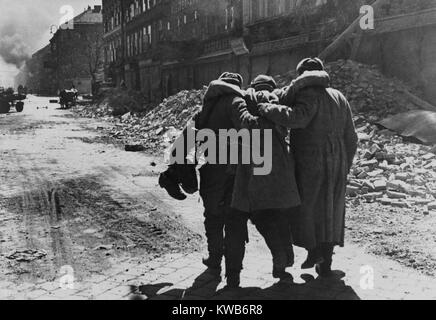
[{"x": 301, "y": 200}]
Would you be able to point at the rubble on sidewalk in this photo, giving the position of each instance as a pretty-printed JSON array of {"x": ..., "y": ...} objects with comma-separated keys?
[
  {"x": 157, "y": 129},
  {"x": 392, "y": 171},
  {"x": 115, "y": 102}
]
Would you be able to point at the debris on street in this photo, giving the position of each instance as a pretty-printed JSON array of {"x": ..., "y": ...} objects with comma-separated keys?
[
  {"x": 104, "y": 247},
  {"x": 134, "y": 148},
  {"x": 115, "y": 102},
  {"x": 155, "y": 130},
  {"x": 391, "y": 171},
  {"x": 26, "y": 255}
]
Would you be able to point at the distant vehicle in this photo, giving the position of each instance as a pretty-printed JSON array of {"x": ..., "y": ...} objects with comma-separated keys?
[
  {"x": 9, "y": 99},
  {"x": 68, "y": 98}
]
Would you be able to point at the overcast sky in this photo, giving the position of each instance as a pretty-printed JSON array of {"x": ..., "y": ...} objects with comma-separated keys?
[{"x": 25, "y": 28}]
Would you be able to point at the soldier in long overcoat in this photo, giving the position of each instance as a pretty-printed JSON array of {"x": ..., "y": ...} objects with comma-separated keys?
[{"x": 324, "y": 143}]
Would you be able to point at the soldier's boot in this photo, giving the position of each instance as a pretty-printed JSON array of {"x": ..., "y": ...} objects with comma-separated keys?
[
  {"x": 236, "y": 237},
  {"x": 314, "y": 257},
  {"x": 286, "y": 236},
  {"x": 233, "y": 280},
  {"x": 213, "y": 262},
  {"x": 214, "y": 225},
  {"x": 324, "y": 269},
  {"x": 267, "y": 227}
]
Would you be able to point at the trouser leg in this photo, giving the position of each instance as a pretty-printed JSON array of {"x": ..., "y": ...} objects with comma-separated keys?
[
  {"x": 286, "y": 236},
  {"x": 236, "y": 237},
  {"x": 327, "y": 254},
  {"x": 214, "y": 225},
  {"x": 267, "y": 223}
]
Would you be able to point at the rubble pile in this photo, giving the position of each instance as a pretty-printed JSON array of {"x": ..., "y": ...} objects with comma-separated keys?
[
  {"x": 116, "y": 102},
  {"x": 392, "y": 172},
  {"x": 157, "y": 129},
  {"x": 367, "y": 89}
]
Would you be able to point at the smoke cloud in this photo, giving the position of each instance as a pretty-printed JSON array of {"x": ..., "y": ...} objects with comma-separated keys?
[
  {"x": 14, "y": 50},
  {"x": 25, "y": 28}
]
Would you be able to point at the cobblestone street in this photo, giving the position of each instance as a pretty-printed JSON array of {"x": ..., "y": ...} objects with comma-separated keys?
[{"x": 181, "y": 277}]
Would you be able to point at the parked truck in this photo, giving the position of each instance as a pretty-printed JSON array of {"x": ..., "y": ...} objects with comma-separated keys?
[
  {"x": 9, "y": 99},
  {"x": 68, "y": 98}
]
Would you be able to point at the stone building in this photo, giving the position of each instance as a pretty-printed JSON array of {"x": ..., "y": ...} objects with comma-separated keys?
[
  {"x": 40, "y": 75},
  {"x": 403, "y": 44},
  {"x": 114, "y": 39},
  {"x": 77, "y": 52},
  {"x": 161, "y": 47},
  {"x": 280, "y": 33},
  {"x": 205, "y": 39}
]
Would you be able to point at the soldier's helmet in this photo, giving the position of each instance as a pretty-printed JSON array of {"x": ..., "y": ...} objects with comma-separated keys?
[
  {"x": 232, "y": 78},
  {"x": 310, "y": 64}
]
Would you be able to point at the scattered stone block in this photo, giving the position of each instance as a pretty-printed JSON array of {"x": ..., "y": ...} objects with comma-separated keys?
[
  {"x": 396, "y": 195},
  {"x": 380, "y": 185},
  {"x": 399, "y": 204},
  {"x": 428, "y": 156},
  {"x": 398, "y": 185},
  {"x": 362, "y": 175},
  {"x": 420, "y": 202},
  {"x": 373, "y": 196},
  {"x": 375, "y": 173},
  {"x": 369, "y": 163},
  {"x": 403, "y": 176},
  {"x": 432, "y": 206},
  {"x": 430, "y": 165},
  {"x": 386, "y": 201},
  {"x": 352, "y": 191}
]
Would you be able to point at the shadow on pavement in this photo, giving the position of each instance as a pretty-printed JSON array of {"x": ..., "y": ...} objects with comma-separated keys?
[
  {"x": 206, "y": 284},
  {"x": 204, "y": 287}
]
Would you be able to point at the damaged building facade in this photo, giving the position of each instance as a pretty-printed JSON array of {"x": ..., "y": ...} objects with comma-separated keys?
[
  {"x": 405, "y": 42},
  {"x": 77, "y": 52},
  {"x": 161, "y": 47},
  {"x": 37, "y": 75},
  {"x": 74, "y": 56}
]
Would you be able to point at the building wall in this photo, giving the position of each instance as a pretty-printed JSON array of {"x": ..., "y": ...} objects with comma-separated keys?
[
  {"x": 280, "y": 61},
  {"x": 38, "y": 73},
  {"x": 78, "y": 52},
  {"x": 192, "y": 41},
  {"x": 258, "y": 10},
  {"x": 405, "y": 54},
  {"x": 201, "y": 33},
  {"x": 114, "y": 40}
]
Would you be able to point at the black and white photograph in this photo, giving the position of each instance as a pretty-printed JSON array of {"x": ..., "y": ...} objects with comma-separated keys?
[{"x": 217, "y": 154}]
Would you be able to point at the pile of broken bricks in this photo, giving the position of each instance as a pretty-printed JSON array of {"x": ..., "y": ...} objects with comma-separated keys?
[{"x": 393, "y": 172}]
